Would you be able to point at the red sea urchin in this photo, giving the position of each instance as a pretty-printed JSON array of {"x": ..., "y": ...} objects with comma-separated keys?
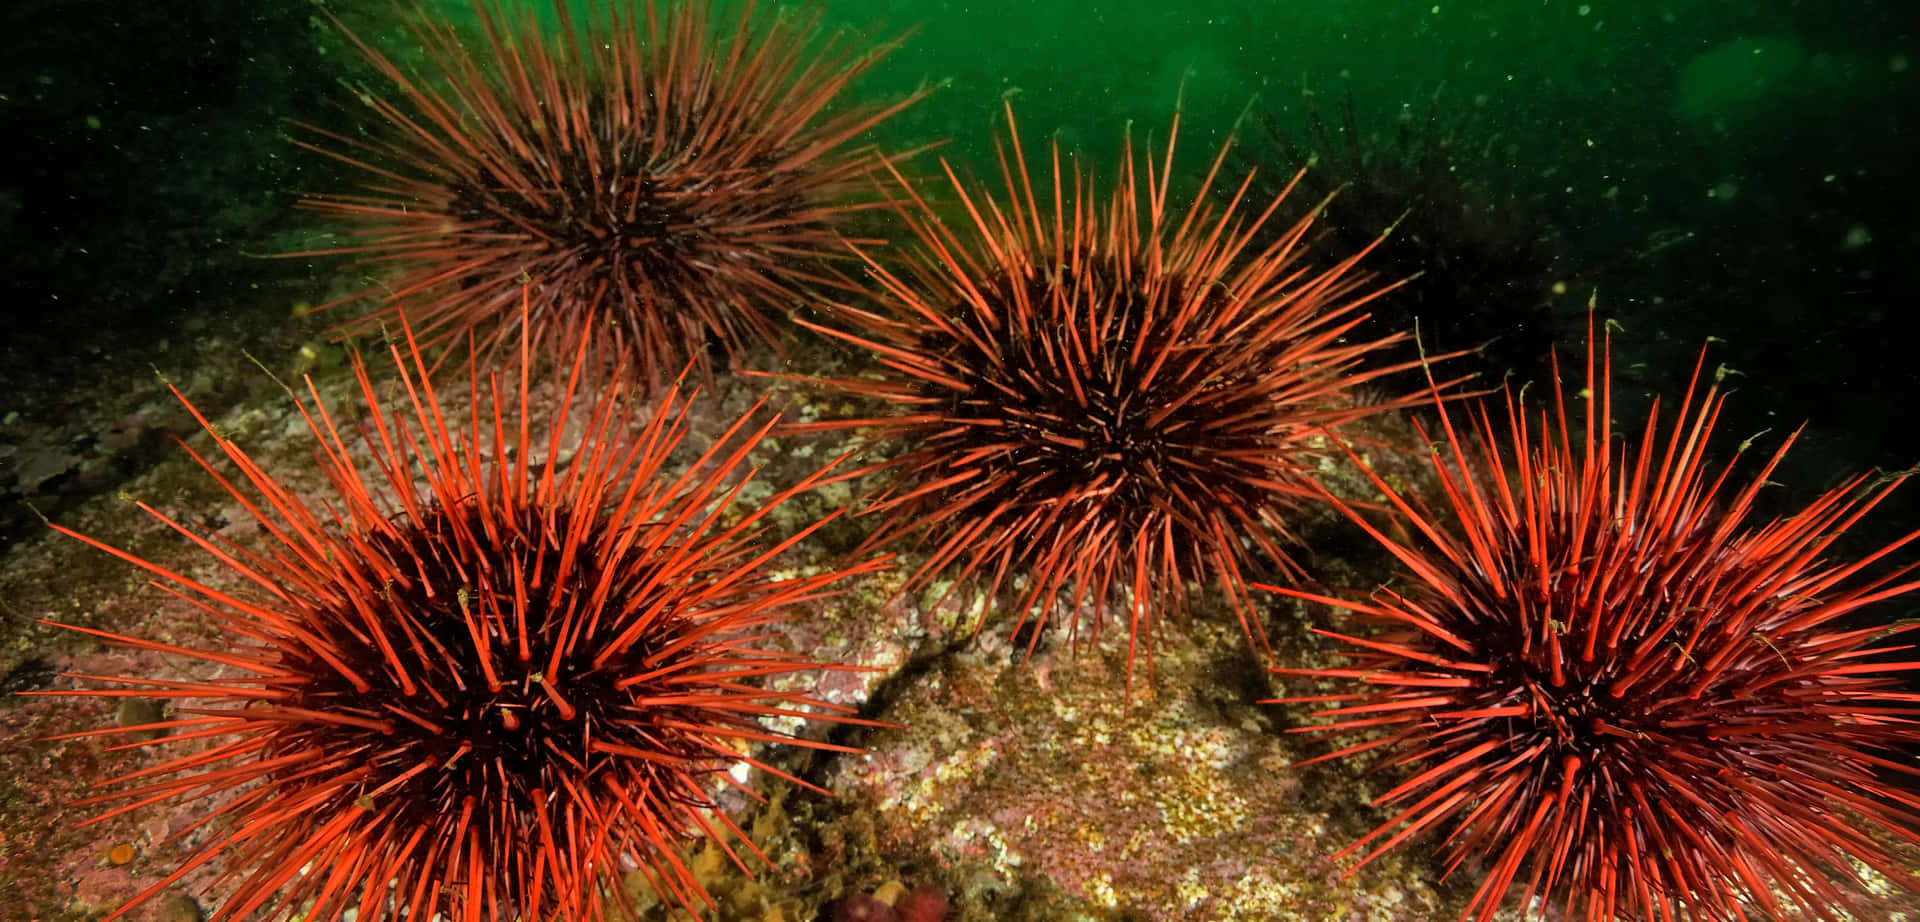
[
  {"x": 661, "y": 183},
  {"x": 477, "y": 681},
  {"x": 1106, "y": 393},
  {"x": 1608, "y": 680}
]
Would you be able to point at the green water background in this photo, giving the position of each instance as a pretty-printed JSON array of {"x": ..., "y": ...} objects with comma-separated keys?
[
  {"x": 1743, "y": 171},
  {"x": 1710, "y": 167}
]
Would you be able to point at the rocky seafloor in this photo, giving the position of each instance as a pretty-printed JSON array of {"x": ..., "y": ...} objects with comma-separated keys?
[{"x": 1046, "y": 787}]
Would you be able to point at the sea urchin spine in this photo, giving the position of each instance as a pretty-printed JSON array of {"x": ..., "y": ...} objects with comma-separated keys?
[
  {"x": 659, "y": 182},
  {"x": 1107, "y": 393},
  {"x": 1606, "y": 679},
  {"x": 480, "y": 678}
]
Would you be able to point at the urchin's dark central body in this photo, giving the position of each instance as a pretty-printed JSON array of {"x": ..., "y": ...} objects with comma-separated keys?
[
  {"x": 662, "y": 180},
  {"x": 1574, "y": 714},
  {"x": 1119, "y": 418},
  {"x": 503, "y": 745},
  {"x": 1611, "y": 687},
  {"x": 1620, "y": 716},
  {"x": 1106, "y": 390},
  {"x": 475, "y": 686},
  {"x": 629, "y": 232}
]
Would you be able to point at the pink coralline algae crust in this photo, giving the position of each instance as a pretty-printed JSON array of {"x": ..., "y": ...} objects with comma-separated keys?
[
  {"x": 51, "y": 866},
  {"x": 1182, "y": 805},
  {"x": 863, "y": 908},
  {"x": 924, "y": 903},
  {"x": 80, "y": 875}
]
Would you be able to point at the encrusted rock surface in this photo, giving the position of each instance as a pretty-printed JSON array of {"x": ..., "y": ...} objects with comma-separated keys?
[
  {"x": 1022, "y": 789},
  {"x": 1184, "y": 802}
]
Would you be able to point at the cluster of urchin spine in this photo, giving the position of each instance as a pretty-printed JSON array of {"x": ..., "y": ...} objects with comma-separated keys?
[{"x": 498, "y": 690}]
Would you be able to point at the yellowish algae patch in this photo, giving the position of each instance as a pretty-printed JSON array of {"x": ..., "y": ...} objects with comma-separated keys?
[{"x": 1180, "y": 803}]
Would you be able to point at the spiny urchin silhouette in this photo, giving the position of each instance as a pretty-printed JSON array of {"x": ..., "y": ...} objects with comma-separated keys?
[
  {"x": 1102, "y": 391},
  {"x": 1615, "y": 686},
  {"x": 658, "y": 182},
  {"x": 502, "y": 663}
]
